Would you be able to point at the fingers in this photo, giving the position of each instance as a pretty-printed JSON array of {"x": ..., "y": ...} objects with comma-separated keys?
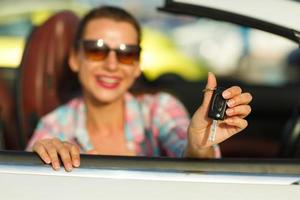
[
  {"x": 243, "y": 98},
  {"x": 237, "y": 110},
  {"x": 237, "y": 102},
  {"x": 41, "y": 151},
  {"x": 75, "y": 155},
  {"x": 64, "y": 153},
  {"x": 232, "y": 92},
  {"x": 236, "y": 122},
  {"x": 236, "y": 97},
  {"x": 47, "y": 152},
  {"x": 50, "y": 150},
  {"x": 241, "y": 110}
]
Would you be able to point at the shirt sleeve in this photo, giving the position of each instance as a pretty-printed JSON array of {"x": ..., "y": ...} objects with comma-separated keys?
[
  {"x": 56, "y": 124},
  {"x": 169, "y": 124},
  {"x": 42, "y": 131}
]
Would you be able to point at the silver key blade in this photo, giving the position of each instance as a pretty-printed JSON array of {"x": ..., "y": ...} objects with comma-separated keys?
[{"x": 213, "y": 131}]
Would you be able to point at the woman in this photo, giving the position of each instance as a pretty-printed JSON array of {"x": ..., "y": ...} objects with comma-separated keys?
[{"x": 108, "y": 120}]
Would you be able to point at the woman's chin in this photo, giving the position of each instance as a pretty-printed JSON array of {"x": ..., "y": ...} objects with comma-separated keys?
[{"x": 107, "y": 99}]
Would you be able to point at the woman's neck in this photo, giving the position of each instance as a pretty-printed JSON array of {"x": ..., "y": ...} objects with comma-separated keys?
[{"x": 105, "y": 118}]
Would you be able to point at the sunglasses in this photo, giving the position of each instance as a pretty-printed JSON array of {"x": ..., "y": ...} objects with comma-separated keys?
[{"x": 97, "y": 50}]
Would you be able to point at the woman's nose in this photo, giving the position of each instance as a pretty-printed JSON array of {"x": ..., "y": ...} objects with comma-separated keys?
[{"x": 112, "y": 61}]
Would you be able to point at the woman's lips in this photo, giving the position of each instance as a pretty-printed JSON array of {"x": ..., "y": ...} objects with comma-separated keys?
[{"x": 108, "y": 82}]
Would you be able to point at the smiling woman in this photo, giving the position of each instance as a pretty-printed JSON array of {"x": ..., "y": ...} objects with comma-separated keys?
[
  {"x": 173, "y": 62},
  {"x": 108, "y": 120},
  {"x": 124, "y": 129}
]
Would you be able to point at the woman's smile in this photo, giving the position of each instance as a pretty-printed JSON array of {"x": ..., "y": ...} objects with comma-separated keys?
[{"x": 108, "y": 82}]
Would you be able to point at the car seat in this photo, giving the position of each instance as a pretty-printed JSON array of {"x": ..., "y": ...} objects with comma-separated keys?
[
  {"x": 43, "y": 68},
  {"x": 8, "y": 121}
]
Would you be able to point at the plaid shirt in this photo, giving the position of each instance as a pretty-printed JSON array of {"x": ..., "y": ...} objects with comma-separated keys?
[{"x": 155, "y": 125}]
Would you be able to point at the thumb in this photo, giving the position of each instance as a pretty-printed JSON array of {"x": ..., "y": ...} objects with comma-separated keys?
[
  {"x": 210, "y": 86},
  {"x": 201, "y": 114}
]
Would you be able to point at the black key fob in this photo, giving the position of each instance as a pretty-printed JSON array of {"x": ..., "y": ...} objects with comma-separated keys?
[{"x": 218, "y": 105}]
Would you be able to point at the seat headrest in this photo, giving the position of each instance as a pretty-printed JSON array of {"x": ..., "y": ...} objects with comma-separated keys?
[{"x": 42, "y": 68}]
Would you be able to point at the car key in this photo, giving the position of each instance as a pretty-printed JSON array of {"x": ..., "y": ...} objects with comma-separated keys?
[
  {"x": 216, "y": 111},
  {"x": 218, "y": 105}
]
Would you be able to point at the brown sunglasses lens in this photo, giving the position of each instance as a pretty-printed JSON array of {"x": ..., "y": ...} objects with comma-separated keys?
[
  {"x": 96, "y": 54},
  {"x": 128, "y": 57}
]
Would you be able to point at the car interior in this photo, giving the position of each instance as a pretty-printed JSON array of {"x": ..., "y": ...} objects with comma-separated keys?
[
  {"x": 36, "y": 88},
  {"x": 37, "y": 84}
]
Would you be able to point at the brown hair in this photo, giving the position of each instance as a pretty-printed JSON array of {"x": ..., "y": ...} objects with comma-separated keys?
[{"x": 115, "y": 13}]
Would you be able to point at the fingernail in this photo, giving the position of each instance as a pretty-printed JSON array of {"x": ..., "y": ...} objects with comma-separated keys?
[
  {"x": 56, "y": 166},
  {"x": 69, "y": 167},
  {"x": 76, "y": 163},
  {"x": 229, "y": 111},
  {"x": 47, "y": 160},
  {"x": 226, "y": 94},
  {"x": 230, "y": 102}
]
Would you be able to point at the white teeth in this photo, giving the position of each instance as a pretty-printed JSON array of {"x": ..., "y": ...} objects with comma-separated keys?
[{"x": 107, "y": 80}]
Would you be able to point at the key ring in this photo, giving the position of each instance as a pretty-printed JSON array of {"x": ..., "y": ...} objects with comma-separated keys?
[{"x": 208, "y": 89}]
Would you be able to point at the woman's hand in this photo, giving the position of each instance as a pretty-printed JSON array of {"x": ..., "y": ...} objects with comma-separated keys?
[
  {"x": 50, "y": 150},
  {"x": 238, "y": 108}
]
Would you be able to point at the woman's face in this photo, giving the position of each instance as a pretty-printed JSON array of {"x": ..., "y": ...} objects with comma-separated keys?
[{"x": 106, "y": 79}]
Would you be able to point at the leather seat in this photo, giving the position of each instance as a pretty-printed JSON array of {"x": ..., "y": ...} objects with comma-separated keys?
[
  {"x": 43, "y": 68},
  {"x": 9, "y": 137}
]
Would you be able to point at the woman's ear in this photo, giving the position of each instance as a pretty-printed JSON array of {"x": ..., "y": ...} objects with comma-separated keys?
[{"x": 73, "y": 61}]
